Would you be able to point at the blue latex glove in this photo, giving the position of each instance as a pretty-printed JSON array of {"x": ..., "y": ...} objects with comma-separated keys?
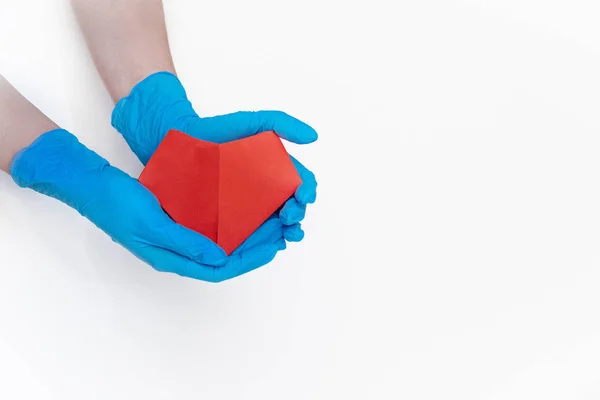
[
  {"x": 57, "y": 165},
  {"x": 159, "y": 103}
]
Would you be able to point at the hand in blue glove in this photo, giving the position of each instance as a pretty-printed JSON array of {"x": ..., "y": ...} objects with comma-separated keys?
[
  {"x": 57, "y": 165},
  {"x": 159, "y": 103}
]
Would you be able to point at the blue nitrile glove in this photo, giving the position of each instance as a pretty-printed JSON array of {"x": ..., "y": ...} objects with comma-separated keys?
[
  {"x": 159, "y": 103},
  {"x": 57, "y": 165}
]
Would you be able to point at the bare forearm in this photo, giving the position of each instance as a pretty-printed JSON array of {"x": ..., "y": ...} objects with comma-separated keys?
[
  {"x": 20, "y": 123},
  {"x": 127, "y": 39}
]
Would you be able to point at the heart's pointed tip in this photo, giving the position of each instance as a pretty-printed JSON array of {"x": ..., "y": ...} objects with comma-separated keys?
[{"x": 228, "y": 248}]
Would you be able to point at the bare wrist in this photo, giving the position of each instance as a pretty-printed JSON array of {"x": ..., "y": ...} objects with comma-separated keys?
[{"x": 20, "y": 123}]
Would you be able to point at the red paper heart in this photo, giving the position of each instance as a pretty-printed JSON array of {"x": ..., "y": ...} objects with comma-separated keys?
[{"x": 223, "y": 191}]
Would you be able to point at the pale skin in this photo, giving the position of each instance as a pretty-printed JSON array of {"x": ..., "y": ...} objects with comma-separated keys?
[
  {"x": 128, "y": 41},
  {"x": 20, "y": 123}
]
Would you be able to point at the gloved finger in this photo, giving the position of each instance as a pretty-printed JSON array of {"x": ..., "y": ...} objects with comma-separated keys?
[
  {"x": 268, "y": 233},
  {"x": 281, "y": 244},
  {"x": 225, "y": 128},
  {"x": 292, "y": 212},
  {"x": 307, "y": 191},
  {"x": 164, "y": 260},
  {"x": 293, "y": 233},
  {"x": 167, "y": 261},
  {"x": 181, "y": 240},
  {"x": 246, "y": 261}
]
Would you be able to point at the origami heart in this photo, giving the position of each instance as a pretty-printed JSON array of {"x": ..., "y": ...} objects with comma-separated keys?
[{"x": 223, "y": 191}]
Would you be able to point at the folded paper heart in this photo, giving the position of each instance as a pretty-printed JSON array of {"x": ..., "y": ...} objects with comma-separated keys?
[{"x": 223, "y": 191}]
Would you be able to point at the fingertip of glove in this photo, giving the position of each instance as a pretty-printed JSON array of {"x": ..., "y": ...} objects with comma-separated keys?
[
  {"x": 311, "y": 135},
  {"x": 281, "y": 244},
  {"x": 290, "y": 128},
  {"x": 293, "y": 233},
  {"x": 306, "y": 194},
  {"x": 290, "y": 216},
  {"x": 214, "y": 258},
  {"x": 304, "y": 134}
]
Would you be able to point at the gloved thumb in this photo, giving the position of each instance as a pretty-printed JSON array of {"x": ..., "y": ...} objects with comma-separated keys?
[{"x": 239, "y": 125}]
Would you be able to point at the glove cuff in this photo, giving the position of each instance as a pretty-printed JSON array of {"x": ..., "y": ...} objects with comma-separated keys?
[
  {"x": 58, "y": 165},
  {"x": 155, "y": 105}
]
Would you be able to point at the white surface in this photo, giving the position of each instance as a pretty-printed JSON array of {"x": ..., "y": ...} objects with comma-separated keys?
[{"x": 462, "y": 263}]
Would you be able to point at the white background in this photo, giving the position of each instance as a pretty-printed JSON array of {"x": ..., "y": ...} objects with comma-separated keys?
[{"x": 453, "y": 251}]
